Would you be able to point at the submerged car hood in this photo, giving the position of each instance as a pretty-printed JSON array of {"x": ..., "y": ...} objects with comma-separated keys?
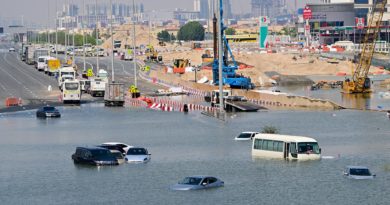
[
  {"x": 184, "y": 187},
  {"x": 137, "y": 158}
]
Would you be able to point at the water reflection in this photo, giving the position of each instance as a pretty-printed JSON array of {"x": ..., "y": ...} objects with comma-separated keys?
[{"x": 358, "y": 101}]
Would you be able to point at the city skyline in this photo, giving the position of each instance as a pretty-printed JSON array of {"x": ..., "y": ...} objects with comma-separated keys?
[{"x": 36, "y": 12}]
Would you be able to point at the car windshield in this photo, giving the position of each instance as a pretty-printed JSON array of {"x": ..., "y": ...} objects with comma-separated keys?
[
  {"x": 101, "y": 153},
  {"x": 71, "y": 86},
  {"x": 191, "y": 181},
  {"x": 48, "y": 108},
  {"x": 137, "y": 151},
  {"x": 308, "y": 148},
  {"x": 360, "y": 172},
  {"x": 245, "y": 135}
]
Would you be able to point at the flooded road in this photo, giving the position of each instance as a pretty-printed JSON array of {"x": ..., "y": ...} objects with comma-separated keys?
[
  {"x": 372, "y": 100},
  {"x": 37, "y": 168}
]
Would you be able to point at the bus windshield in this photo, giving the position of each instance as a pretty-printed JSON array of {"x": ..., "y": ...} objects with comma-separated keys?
[
  {"x": 308, "y": 148},
  {"x": 71, "y": 86}
]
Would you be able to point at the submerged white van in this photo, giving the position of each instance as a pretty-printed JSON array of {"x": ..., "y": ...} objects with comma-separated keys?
[{"x": 287, "y": 147}]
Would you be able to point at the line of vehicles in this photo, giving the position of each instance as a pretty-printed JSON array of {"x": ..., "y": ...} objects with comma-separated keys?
[{"x": 69, "y": 84}]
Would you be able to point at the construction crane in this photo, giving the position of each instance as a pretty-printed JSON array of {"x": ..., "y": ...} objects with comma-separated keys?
[
  {"x": 360, "y": 83},
  {"x": 229, "y": 75}
]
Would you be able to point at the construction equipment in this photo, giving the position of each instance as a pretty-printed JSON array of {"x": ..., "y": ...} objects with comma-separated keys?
[
  {"x": 228, "y": 68},
  {"x": 161, "y": 43},
  {"x": 152, "y": 55},
  {"x": 360, "y": 83},
  {"x": 179, "y": 65},
  {"x": 206, "y": 57}
]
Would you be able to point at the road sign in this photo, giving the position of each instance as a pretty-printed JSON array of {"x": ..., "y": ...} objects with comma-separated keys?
[
  {"x": 90, "y": 72},
  {"x": 129, "y": 51},
  {"x": 359, "y": 23},
  {"x": 307, "y": 13},
  {"x": 54, "y": 64}
]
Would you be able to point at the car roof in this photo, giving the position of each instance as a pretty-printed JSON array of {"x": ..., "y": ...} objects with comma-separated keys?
[
  {"x": 202, "y": 176},
  {"x": 92, "y": 148},
  {"x": 356, "y": 167},
  {"x": 114, "y": 143},
  {"x": 248, "y": 132}
]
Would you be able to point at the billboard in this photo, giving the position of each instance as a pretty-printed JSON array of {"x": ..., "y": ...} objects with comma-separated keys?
[{"x": 263, "y": 21}]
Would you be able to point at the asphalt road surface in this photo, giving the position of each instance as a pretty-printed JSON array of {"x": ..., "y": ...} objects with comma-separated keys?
[{"x": 23, "y": 81}]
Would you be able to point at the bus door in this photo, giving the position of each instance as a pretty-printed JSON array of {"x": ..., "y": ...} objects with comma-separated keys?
[
  {"x": 293, "y": 150},
  {"x": 286, "y": 149}
]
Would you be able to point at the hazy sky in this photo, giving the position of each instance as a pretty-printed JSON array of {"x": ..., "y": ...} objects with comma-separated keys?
[{"x": 37, "y": 10}]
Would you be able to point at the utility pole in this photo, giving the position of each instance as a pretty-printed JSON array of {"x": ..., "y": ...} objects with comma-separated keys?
[
  {"x": 82, "y": 26},
  {"x": 56, "y": 31},
  {"x": 97, "y": 38},
  {"x": 134, "y": 46},
  {"x": 220, "y": 56},
  {"x": 112, "y": 44}
]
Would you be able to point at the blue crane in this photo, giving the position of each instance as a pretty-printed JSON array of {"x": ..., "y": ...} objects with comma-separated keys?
[{"x": 229, "y": 75}]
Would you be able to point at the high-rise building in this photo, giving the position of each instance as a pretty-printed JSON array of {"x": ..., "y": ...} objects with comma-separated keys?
[
  {"x": 227, "y": 9},
  {"x": 270, "y": 8},
  {"x": 70, "y": 10},
  {"x": 197, "y": 5}
]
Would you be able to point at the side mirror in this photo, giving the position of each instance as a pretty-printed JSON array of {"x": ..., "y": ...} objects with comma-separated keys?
[
  {"x": 320, "y": 150},
  {"x": 346, "y": 174},
  {"x": 204, "y": 184}
]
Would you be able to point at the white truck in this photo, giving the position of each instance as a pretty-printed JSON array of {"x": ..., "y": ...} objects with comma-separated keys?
[
  {"x": 98, "y": 87},
  {"x": 103, "y": 74},
  {"x": 38, "y": 53},
  {"x": 67, "y": 72}
]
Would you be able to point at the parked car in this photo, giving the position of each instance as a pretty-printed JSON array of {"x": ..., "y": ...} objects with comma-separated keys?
[
  {"x": 358, "y": 172},
  {"x": 48, "y": 111},
  {"x": 137, "y": 154},
  {"x": 119, "y": 156},
  {"x": 197, "y": 182},
  {"x": 122, "y": 147},
  {"x": 94, "y": 156},
  {"x": 11, "y": 49},
  {"x": 246, "y": 136}
]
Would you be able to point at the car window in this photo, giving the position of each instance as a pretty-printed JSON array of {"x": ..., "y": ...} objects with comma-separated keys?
[
  {"x": 360, "y": 172},
  {"x": 245, "y": 135},
  {"x": 191, "y": 181},
  {"x": 137, "y": 151},
  {"x": 48, "y": 108},
  {"x": 212, "y": 180}
]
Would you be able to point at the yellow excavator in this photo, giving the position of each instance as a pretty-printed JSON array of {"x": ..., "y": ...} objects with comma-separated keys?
[
  {"x": 152, "y": 55},
  {"x": 360, "y": 83}
]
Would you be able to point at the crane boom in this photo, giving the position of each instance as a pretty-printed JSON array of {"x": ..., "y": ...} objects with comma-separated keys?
[{"x": 360, "y": 83}]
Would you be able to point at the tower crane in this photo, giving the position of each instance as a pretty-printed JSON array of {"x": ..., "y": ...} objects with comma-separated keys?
[{"x": 360, "y": 83}]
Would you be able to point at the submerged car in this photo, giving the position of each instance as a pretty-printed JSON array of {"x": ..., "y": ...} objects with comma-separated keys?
[
  {"x": 119, "y": 156},
  {"x": 122, "y": 147},
  {"x": 94, "y": 156},
  {"x": 197, "y": 182},
  {"x": 358, "y": 172},
  {"x": 11, "y": 49},
  {"x": 137, "y": 154},
  {"x": 246, "y": 136},
  {"x": 48, "y": 111}
]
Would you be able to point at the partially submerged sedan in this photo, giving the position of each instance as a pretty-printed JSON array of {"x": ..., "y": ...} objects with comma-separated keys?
[
  {"x": 358, "y": 172},
  {"x": 48, "y": 111},
  {"x": 246, "y": 136},
  {"x": 197, "y": 183},
  {"x": 137, "y": 154}
]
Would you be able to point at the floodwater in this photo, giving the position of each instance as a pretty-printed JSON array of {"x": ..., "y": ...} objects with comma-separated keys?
[
  {"x": 372, "y": 100},
  {"x": 36, "y": 165}
]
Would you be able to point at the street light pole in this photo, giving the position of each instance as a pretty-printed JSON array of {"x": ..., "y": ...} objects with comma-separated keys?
[
  {"x": 82, "y": 26},
  {"x": 134, "y": 46},
  {"x": 220, "y": 56},
  {"x": 112, "y": 43},
  {"x": 97, "y": 38}
]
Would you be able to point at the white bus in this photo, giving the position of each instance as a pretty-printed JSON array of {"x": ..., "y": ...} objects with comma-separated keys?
[
  {"x": 285, "y": 147},
  {"x": 71, "y": 92},
  {"x": 65, "y": 71}
]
